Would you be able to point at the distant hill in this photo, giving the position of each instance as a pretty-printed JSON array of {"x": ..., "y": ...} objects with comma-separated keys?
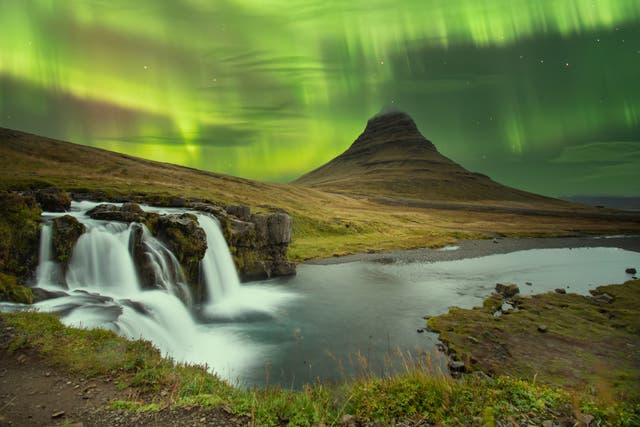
[
  {"x": 392, "y": 159},
  {"x": 394, "y": 207},
  {"x": 624, "y": 203}
]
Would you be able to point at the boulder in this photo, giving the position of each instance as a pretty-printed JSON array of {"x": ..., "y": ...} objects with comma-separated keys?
[
  {"x": 40, "y": 294},
  {"x": 128, "y": 212},
  {"x": 507, "y": 290},
  {"x": 560, "y": 291},
  {"x": 53, "y": 200},
  {"x": 543, "y": 328},
  {"x": 630, "y": 270},
  {"x": 66, "y": 230},
  {"x": 187, "y": 240},
  {"x": 603, "y": 298}
]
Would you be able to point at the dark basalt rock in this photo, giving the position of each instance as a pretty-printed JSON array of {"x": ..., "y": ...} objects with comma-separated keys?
[
  {"x": 241, "y": 212},
  {"x": 53, "y": 200},
  {"x": 66, "y": 230},
  {"x": 507, "y": 290},
  {"x": 143, "y": 262},
  {"x": 187, "y": 240},
  {"x": 128, "y": 212},
  {"x": 258, "y": 242}
]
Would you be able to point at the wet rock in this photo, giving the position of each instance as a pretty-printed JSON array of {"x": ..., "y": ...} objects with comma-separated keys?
[
  {"x": 128, "y": 212},
  {"x": 506, "y": 307},
  {"x": 258, "y": 242},
  {"x": 53, "y": 200},
  {"x": 57, "y": 414},
  {"x": 40, "y": 294},
  {"x": 603, "y": 298},
  {"x": 560, "y": 291},
  {"x": 507, "y": 290},
  {"x": 630, "y": 270},
  {"x": 66, "y": 230},
  {"x": 528, "y": 283},
  {"x": 141, "y": 259},
  {"x": 420, "y": 330},
  {"x": 457, "y": 366},
  {"x": 543, "y": 328},
  {"x": 187, "y": 240}
]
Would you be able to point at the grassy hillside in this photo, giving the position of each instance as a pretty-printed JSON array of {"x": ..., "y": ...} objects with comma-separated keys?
[{"x": 325, "y": 223}]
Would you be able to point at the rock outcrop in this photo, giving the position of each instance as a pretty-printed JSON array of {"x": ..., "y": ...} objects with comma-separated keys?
[
  {"x": 66, "y": 230},
  {"x": 187, "y": 240},
  {"x": 128, "y": 212},
  {"x": 258, "y": 242},
  {"x": 53, "y": 200},
  {"x": 507, "y": 290}
]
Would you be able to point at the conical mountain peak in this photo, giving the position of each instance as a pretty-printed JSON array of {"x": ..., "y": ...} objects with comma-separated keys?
[
  {"x": 392, "y": 159},
  {"x": 392, "y": 127}
]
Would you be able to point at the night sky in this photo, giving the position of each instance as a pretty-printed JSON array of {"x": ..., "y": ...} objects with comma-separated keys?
[{"x": 543, "y": 95}]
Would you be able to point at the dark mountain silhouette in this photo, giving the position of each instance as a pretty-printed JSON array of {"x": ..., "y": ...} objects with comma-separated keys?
[{"x": 392, "y": 159}]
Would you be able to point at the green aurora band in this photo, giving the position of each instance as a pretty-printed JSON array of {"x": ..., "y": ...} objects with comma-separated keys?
[{"x": 543, "y": 95}]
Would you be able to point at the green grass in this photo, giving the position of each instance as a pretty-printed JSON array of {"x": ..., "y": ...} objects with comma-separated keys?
[
  {"x": 588, "y": 344},
  {"x": 417, "y": 394}
]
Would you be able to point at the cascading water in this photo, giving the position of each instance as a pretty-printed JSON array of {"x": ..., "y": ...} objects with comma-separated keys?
[
  {"x": 102, "y": 289},
  {"x": 101, "y": 261},
  {"x": 218, "y": 269}
]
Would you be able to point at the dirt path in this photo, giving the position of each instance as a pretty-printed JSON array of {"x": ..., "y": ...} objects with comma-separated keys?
[{"x": 33, "y": 393}]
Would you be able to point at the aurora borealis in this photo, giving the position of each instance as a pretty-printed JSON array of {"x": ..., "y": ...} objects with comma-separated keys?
[{"x": 543, "y": 95}]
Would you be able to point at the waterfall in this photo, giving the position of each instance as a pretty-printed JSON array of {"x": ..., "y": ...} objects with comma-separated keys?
[
  {"x": 104, "y": 288},
  {"x": 219, "y": 271},
  {"x": 101, "y": 261},
  {"x": 49, "y": 273},
  {"x": 167, "y": 271}
]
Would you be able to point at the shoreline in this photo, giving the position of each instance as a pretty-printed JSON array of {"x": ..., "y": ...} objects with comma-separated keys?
[{"x": 485, "y": 247}]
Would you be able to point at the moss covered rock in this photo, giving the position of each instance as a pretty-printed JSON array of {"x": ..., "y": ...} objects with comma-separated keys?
[
  {"x": 10, "y": 290},
  {"x": 187, "y": 240},
  {"x": 19, "y": 235},
  {"x": 66, "y": 230},
  {"x": 53, "y": 200}
]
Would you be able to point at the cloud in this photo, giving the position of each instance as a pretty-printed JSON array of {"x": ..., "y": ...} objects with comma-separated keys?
[{"x": 609, "y": 152}]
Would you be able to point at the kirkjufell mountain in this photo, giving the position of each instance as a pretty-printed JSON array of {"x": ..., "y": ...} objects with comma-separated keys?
[{"x": 392, "y": 159}]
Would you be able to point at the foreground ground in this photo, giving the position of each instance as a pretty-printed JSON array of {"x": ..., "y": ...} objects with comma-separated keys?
[{"x": 583, "y": 369}]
